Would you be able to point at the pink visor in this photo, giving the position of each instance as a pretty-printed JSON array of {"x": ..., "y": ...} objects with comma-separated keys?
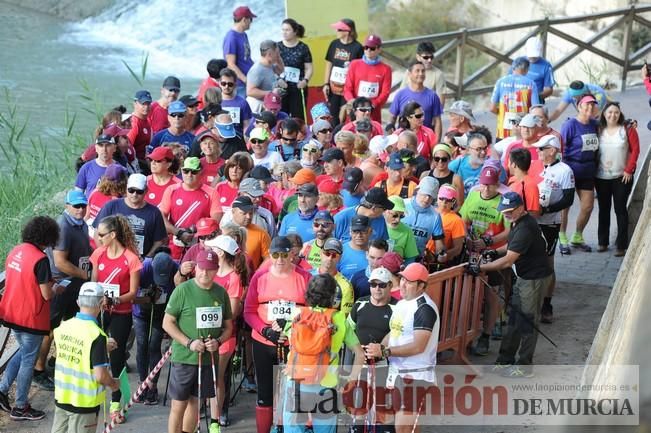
[{"x": 340, "y": 25}]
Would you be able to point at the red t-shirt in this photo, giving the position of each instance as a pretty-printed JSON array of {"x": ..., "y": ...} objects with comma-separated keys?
[
  {"x": 157, "y": 117},
  {"x": 528, "y": 190},
  {"x": 211, "y": 170},
  {"x": 227, "y": 194},
  {"x": 140, "y": 135},
  {"x": 205, "y": 85},
  {"x": 116, "y": 271},
  {"x": 155, "y": 192}
]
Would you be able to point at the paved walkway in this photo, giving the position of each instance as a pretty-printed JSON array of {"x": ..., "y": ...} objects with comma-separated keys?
[{"x": 584, "y": 282}]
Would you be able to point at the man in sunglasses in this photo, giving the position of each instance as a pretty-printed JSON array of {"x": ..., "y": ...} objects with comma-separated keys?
[
  {"x": 300, "y": 221},
  {"x": 257, "y": 239},
  {"x": 334, "y": 163},
  {"x": 213, "y": 67},
  {"x": 329, "y": 264},
  {"x": 362, "y": 109},
  {"x": 401, "y": 238},
  {"x": 354, "y": 257},
  {"x": 372, "y": 205},
  {"x": 322, "y": 226},
  {"x": 140, "y": 133},
  {"x": 369, "y": 77},
  {"x": 176, "y": 132},
  {"x": 145, "y": 219},
  {"x": 235, "y": 104},
  {"x": 169, "y": 93},
  {"x": 262, "y": 217},
  {"x": 185, "y": 203},
  {"x": 259, "y": 142}
]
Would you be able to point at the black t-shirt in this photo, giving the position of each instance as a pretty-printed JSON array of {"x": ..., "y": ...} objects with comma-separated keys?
[
  {"x": 228, "y": 146},
  {"x": 98, "y": 358},
  {"x": 339, "y": 54},
  {"x": 295, "y": 57},
  {"x": 42, "y": 271},
  {"x": 74, "y": 240},
  {"x": 526, "y": 239},
  {"x": 371, "y": 321},
  {"x": 360, "y": 284}
]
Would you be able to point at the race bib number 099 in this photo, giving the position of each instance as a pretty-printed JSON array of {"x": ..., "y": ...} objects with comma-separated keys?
[{"x": 209, "y": 317}]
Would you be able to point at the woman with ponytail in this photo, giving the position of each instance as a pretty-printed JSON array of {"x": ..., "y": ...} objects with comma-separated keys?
[
  {"x": 116, "y": 267},
  {"x": 297, "y": 60},
  {"x": 233, "y": 275}
]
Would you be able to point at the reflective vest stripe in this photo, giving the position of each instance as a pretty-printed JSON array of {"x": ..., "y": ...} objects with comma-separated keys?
[
  {"x": 74, "y": 373},
  {"x": 78, "y": 389}
]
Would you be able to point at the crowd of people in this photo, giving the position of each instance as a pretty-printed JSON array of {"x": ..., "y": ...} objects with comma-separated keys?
[{"x": 232, "y": 218}]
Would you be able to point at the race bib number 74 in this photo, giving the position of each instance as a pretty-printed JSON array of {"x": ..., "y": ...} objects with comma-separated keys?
[{"x": 209, "y": 317}]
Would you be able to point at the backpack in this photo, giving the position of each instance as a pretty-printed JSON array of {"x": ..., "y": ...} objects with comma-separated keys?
[{"x": 310, "y": 339}]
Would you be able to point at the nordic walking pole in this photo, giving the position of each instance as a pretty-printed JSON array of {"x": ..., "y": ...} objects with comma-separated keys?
[
  {"x": 199, "y": 394},
  {"x": 303, "y": 104},
  {"x": 214, "y": 380}
]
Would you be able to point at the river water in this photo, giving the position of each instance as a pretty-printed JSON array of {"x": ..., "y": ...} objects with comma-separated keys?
[{"x": 45, "y": 61}]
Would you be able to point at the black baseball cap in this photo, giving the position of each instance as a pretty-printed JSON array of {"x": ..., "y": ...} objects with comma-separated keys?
[
  {"x": 378, "y": 197},
  {"x": 262, "y": 173},
  {"x": 244, "y": 203},
  {"x": 189, "y": 100},
  {"x": 360, "y": 222},
  {"x": 308, "y": 189},
  {"x": 333, "y": 244},
  {"x": 353, "y": 176},
  {"x": 280, "y": 244},
  {"x": 267, "y": 117},
  {"x": 172, "y": 83},
  {"x": 333, "y": 153}
]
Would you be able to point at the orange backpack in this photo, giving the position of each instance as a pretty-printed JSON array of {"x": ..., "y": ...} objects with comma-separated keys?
[{"x": 310, "y": 340}]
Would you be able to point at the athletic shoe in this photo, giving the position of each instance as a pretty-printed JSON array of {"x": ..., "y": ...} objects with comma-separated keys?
[
  {"x": 518, "y": 372},
  {"x": 499, "y": 367},
  {"x": 249, "y": 386},
  {"x": 602, "y": 248},
  {"x": 481, "y": 348},
  {"x": 547, "y": 313},
  {"x": 214, "y": 428},
  {"x": 115, "y": 412},
  {"x": 223, "y": 419},
  {"x": 564, "y": 249},
  {"x": 582, "y": 246},
  {"x": 27, "y": 413},
  {"x": 620, "y": 253},
  {"x": 43, "y": 381},
  {"x": 151, "y": 399},
  {"x": 4, "y": 402},
  {"x": 141, "y": 397}
]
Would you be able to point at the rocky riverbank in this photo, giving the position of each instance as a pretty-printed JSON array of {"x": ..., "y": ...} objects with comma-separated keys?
[{"x": 71, "y": 10}]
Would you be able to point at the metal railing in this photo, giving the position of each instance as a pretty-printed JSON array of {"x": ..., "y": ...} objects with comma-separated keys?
[{"x": 458, "y": 42}]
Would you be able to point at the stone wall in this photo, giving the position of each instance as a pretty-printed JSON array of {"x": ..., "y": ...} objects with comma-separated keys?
[{"x": 71, "y": 10}]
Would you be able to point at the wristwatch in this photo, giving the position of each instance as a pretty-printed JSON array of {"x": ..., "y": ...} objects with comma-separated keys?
[
  {"x": 189, "y": 343},
  {"x": 386, "y": 351}
]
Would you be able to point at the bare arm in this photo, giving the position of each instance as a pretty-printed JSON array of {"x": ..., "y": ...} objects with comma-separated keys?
[
  {"x": 230, "y": 60},
  {"x": 437, "y": 126},
  {"x": 547, "y": 91},
  {"x": 502, "y": 263},
  {"x": 64, "y": 265},
  {"x": 154, "y": 246},
  {"x": 46, "y": 291},
  {"x": 103, "y": 376},
  {"x": 421, "y": 337},
  {"x": 493, "y": 108},
  {"x": 558, "y": 111}
]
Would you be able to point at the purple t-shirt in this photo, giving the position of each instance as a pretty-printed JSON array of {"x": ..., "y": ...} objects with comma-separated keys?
[
  {"x": 88, "y": 176},
  {"x": 581, "y": 145},
  {"x": 239, "y": 110},
  {"x": 238, "y": 44},
  {"x": 428, "y": 100}
]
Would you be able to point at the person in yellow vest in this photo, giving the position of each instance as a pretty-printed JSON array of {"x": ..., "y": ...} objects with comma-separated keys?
[{"x": 82, "y": 371}]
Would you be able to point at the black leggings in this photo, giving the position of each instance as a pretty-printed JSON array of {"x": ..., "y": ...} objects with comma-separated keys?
[
  {"x": 265, "y": 358},
  {"x": 613, "y": 193},
  {"x": 118, "y": 326}
]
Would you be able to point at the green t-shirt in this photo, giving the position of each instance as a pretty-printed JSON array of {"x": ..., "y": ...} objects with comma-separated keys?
[
  {"x": 402, "y": 241},
  {"x": 199, "y": 313},
  {"x": 289, "y": 205},
  {"x": 483, "y": 214}
]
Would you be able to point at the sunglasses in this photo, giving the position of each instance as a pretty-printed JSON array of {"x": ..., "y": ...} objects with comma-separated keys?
[
  {"x": 174, "y": 90},
  {"x": 365, "y": 109},
  {"x": 256, "y": 141},
  {"x": 311, "y": 150},
  {"x": 418, "y": 116},
  {"x": 207, "y": 237},
  {"x": 177, "y": 115},
  {"x": 441, "y": 159},
  {"x": 319, "y": 225},
  {"x": 135, "y": 191},
  {"x": 545, "y": 148},
  {"x": 370, "y": 48},
  {"x": 331, "y": 254},
  {"x": 397, "y": 215},
  {"x": 325, "y": 131},
  {"x": 79, "y": 206},
  {"x": 359, "y": 232},
  {"x": 427, "y": 57},
  {"x": 289, "y": 140},
  {"x": 279, "y": 255},
  {"x": 447, "y": 200},
  {"x": 226, "y": 84},
  {"x": 101, "y": 235},
  {"x": 380, "y": 285},
  {"x": 190, "y": 171},
  {"x": 259, "y": 121}
]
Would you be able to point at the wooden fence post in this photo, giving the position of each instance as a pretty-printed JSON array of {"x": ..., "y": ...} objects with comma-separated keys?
[
  {"x": 459, "y": 70},
  {"x": 543, "y": 37},
  {"x": 626, "y": 44}
]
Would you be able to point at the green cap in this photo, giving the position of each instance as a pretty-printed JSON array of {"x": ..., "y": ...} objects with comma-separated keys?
[
  {"x": 442, "y": 147},
  {"x": 398, "y": 203},
  {"x": 259, "y": 134},
  {"x": 193, "y": 163}
]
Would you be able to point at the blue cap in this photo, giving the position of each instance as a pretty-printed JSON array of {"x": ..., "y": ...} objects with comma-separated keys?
[
  {"x": 510, "y": 201},
  {"x": 226, "y": 130},
  {"x": 324, "y": 215},
  {"x": 142, "y": 96},
  {"x": 176, "y": 107},
  {"x": 395, "y": 162},
  {"x": 520, "y": 62},
  {"x": 76, "y": 197},
  {"x": 163, "y": 269}
]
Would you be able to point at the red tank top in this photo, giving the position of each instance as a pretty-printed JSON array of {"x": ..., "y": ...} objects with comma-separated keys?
[{"x": 115, "y": 271}]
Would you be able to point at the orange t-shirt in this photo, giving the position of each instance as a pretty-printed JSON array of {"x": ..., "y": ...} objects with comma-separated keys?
[
  {"x": 453, "y": 227},
  {"x": 257, "y": 244},
  {"x": 528, "y": 190}
]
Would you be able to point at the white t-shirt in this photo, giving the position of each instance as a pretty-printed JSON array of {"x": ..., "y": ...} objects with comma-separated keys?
[
  {"x": 613, "y": 153},
  {"x": 555, "y": 178},
  {"x": 270, "y": 160}
]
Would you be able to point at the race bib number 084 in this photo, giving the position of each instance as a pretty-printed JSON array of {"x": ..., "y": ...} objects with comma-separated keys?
[{"x": 280, "y": 310}]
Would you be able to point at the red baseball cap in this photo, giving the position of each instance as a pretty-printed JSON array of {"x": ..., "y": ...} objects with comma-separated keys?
[
  {"x": 272, "y": 101},
  {"x": 392, "y": 261},
  {"x": 207, "y": 260},
  {"x": 373, "y": 41},
  {"x": 206, "y": 226},
  {"x": 340, "y": 25},
  {"x": 489, "y": 176},
  {"x": 243, "y": 12},
  {"x": 415, "y": 272},
  {"x": 329, "y": 186},
  {"x": 160, "y": 153}
]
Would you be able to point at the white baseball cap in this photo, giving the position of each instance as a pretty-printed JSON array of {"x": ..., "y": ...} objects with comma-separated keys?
[
  {"x": 224, "y": 243},
  {"x": 380, "y": 274}
]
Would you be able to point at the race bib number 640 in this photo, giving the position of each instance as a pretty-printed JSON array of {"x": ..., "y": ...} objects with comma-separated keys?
[{"x": 209, "y": 317}]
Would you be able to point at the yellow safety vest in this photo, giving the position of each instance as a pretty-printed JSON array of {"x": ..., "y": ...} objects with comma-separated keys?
[{"x": 74, "y": 380}]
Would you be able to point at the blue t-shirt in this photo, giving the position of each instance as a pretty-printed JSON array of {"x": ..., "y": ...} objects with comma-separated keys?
[
  {"x": 342, "y": 225},
  {"x": 360, "y": 283},
  {"x": 238, "y": 43},
  {"x": 146, "y": 280},
  {"x": 239, "y": 110},
  {"x": 89, "y": 175},
  {"x": 428, "y": 100},
  {"x": 599, "y": 93},
  {"x": 350, "y": 200},
  {"x": 165, "y": 136},
  {"x": 541, "y": 73},
  {"x": 300, "y": 225},
  {"x": 426, "y": 224},
  {"x": 147, "y": 222},
  {"x": 352, "y": 261},
  {"x": 509, "y": 90},
  {"x": 581, "y": 145},
  {"x": 468, "y": 174}
]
